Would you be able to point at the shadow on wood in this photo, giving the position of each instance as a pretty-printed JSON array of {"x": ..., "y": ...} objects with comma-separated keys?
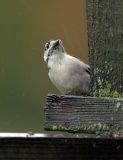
[{"x": 54, "y": 147}]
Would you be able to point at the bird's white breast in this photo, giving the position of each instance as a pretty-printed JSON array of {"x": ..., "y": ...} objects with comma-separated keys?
[{"x": 68, "y": 75}]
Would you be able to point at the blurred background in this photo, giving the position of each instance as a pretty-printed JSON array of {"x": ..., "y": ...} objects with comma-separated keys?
[{"x": 25, "y": 26}]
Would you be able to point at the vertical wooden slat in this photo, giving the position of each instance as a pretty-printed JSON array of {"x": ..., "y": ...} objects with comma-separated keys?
[{"x": 105, "y": 36}]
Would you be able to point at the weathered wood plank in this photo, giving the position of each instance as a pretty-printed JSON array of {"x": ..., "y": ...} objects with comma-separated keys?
[
  {"x": 105, "y": 37},
  {"x": 25, "y": 146},
  {"x": 84, "y": 114}
]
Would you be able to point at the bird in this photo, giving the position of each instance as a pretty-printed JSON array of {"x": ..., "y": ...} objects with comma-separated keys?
[{"x": 70, "y": 75}]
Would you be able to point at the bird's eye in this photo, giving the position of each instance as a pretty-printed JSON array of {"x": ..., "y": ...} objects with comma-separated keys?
[{"x": 46, "y": 46}]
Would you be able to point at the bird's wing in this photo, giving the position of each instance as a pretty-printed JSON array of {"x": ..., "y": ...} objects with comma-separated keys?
[
  {"x": 75, "y": 65},
  {"x": 87, "y": 69}
]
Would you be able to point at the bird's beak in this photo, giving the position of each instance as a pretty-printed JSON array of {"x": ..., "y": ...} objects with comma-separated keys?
[{"x": 57, "y": 42}]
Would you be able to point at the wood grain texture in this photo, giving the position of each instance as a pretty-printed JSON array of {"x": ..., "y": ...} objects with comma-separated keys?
[
  {"x": 84, "y": 114},
  {"x": 105, "y": 37},
  {"x": 21, "y": 147}
]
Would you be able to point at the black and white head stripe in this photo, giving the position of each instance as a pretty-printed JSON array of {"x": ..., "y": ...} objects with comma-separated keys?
[
  {"x": 47, "y": 45},
  {"x": 53, "y": 47}
]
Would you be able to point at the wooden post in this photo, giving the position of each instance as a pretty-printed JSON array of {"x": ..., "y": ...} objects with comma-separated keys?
[
  {"x": 105, "y": 36},
  {"x": 89, "y": 115}
]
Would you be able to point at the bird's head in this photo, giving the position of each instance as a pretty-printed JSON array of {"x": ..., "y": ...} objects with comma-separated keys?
[{"x": 53, "y": 48}]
